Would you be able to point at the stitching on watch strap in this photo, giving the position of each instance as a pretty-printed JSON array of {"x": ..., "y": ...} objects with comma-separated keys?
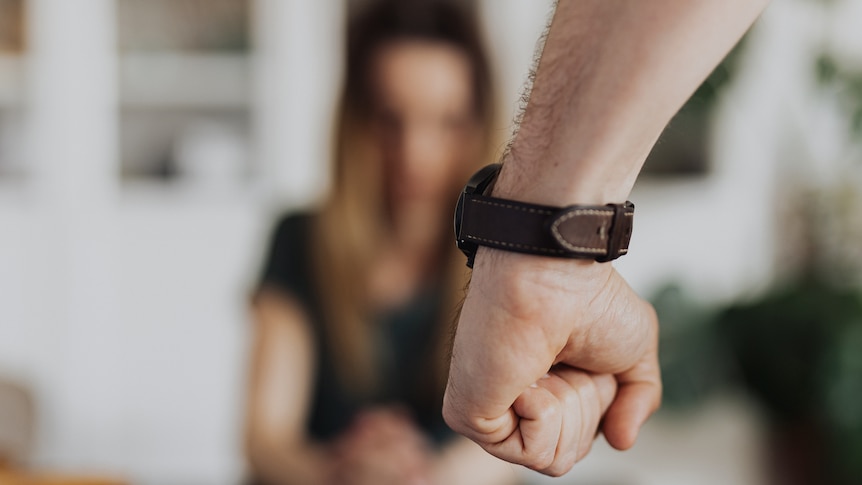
[
  {"x": 515, "y": 207},
  {"x": 515, "y": 245},
  {"x": 555, "y": 229}
]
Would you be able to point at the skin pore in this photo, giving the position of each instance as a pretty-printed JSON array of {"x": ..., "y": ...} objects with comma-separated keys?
[{"x": 423, "y": 121}]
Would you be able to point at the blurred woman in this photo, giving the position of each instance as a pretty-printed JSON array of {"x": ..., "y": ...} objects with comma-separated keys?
[{"x": 354, "y": 309}]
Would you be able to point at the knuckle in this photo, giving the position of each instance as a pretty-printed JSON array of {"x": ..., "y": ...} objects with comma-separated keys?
[
  {"x": 658, "y": 397},
  {"x": 558, "y": 468},
  {"x": 481, "y": 430},
  {"x": 450, "y": 415},
  {"x": 586, "y": 447},
  {"x": 454, "y": 418},
  {"x": 570, "y": 400},
  {"x": 544, "y": 407},
  {"x": 539, "y": 461},
  {"x": 571, "y": 395}
]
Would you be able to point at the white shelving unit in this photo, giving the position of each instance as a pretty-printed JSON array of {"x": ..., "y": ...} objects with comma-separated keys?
[
  {"x": 12, "y": 67},
  {"x": 123, "y": 302},
  {"x": 11, "y": 80},
  {"x": 185, "y": 94},
  {"x": 185, "y": 81}
]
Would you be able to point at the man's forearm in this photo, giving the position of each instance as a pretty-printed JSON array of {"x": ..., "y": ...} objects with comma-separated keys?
[
  {"x": 612, "y": 74},
  {"x": 606, "y": 86}
]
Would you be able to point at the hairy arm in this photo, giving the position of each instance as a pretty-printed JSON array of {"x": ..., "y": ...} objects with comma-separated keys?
[{"x": 611, "y": 75}]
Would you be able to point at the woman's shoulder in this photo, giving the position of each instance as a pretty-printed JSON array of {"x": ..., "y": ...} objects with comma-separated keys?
[
  {"x": 286, "y": 262},
  {"x": 293, "y": 226}
]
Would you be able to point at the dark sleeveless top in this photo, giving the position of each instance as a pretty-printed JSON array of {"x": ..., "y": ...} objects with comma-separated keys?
[{"x": 404, "y": 342}]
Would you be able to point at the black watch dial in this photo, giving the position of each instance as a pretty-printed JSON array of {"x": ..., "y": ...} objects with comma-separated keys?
[{"x": 478, "y": 184}]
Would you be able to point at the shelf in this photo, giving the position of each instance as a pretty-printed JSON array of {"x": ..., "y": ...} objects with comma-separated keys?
[
  {"x": 12, "y": 26},
  {"x": 11, "y": 80},
  {"x": 185, "y": 81},
  {"x": 168, "y": 144},
  {"x": 183, "y": 25},
  {"x": 169, "y": 195},
  {"x": 11, "y": 118}
]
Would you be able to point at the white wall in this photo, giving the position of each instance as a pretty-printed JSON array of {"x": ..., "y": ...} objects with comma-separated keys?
[
  {"x": 125, "y": 308},
  {"x": 124, "y": 305}
]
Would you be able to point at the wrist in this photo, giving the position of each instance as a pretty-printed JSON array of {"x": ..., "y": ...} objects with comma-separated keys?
[
  {"x": 519, "y": 284},
  {"x": 596, "y": 232},
  {"x": 561, "y": 183},
  {"x": 531, "y": 268}
]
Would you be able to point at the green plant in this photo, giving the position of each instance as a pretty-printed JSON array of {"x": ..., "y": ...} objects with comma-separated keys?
[{"x": 797, "y": 350}]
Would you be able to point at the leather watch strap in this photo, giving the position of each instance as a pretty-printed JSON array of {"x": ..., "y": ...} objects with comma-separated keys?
[{"x": 601, "y": 233}]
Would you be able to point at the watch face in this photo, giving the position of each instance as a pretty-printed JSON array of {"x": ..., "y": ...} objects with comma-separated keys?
[
  {"x": 480, "y": 180},
  {"x": 464, "y": 246},
  {"x": 458, "y": 208},
  {"x": 477, "y": 184}
]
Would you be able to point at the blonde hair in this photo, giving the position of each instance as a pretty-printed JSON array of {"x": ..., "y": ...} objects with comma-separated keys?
[{"x": 348, "y": 231}]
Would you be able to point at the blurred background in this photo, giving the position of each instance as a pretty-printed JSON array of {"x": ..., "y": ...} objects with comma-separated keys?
[{"x": 147, "y": 145}]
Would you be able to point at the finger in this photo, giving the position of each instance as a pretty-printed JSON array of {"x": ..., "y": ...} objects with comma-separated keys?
[
  {"x": 500, "y": 348},
  {"x": 381, "y": 465},
  {"x": 379, "y": 426},
  {"x": 534, "y": 441},
  {"x": 605, "y": 386},
  {"x": 573, "y": 389},
  {"x": 398, "y": 414},
  {"x": 584, "y": 399},
  {"x": 365, "y": 446},
  {"x": 400, "y": 430},
  {"x": 639, "y": 396},
  {"x": 377, "y": 419}
]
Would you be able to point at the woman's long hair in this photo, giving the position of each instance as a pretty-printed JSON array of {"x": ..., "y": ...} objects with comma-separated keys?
[{"x": 348, "y": 231}]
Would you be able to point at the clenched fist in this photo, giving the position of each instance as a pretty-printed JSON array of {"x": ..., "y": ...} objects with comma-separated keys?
[{"x": 546, "y": 351}]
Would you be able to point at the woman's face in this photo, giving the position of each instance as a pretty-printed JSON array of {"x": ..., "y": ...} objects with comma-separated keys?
[{"x": 424, "y": 120}]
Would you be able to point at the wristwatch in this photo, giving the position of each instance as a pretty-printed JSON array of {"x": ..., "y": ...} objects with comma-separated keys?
[{"x": 601, "y": 233}]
